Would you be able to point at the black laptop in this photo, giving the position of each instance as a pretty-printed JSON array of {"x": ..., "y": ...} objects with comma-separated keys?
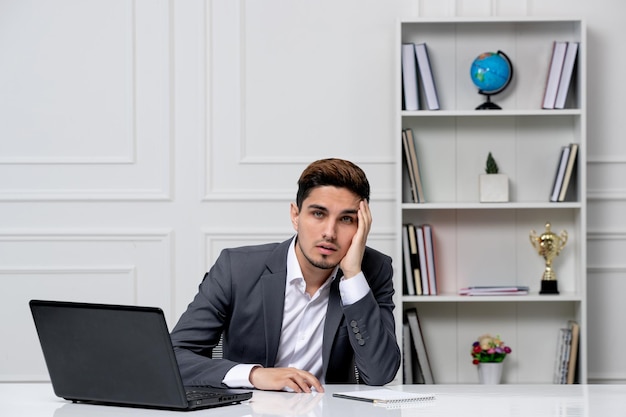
[{"x": 117, "y": 355}]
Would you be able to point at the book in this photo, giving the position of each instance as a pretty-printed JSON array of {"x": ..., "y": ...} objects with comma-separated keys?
[
  {"x": 569, "y": 169},
  {"x": 567, "y": 346},
  {"x": 560, "y": 174},
  {"x": 416, "y": 267},
  {"x": 427, "y": 81},
  {"x": 554, "y": 74},
  {"x": 569, "y": 63},
  {"x": 559, "y": 354},
  {"x": 412, "y": 372},
  {"x": 495, "y": 290},
  {"x": 562, "y": 354},
  {"x": 384, "y": 396},
  {"x": 408, "y": 268},
  {"x": 573, "y": 357},
  {"x": 420, "y": 345},
  {"x": 407, "y": 356},
  {"x": 409, "y": 77},
  {"x": 409, "y": 167},
  {"x": 430, "y": 259},
  {"x": 415, "y": 164},
  {"x": 421, "y": 252}
]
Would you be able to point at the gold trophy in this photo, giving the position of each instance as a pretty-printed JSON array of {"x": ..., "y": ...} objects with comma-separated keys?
[{"x": 548, "y": 245}]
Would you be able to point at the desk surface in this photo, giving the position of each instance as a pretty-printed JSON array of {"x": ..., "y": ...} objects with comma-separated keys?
[{"x": 38, "y": 400}]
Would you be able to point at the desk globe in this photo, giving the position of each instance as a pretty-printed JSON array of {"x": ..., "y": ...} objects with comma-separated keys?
[{"x": 491, "y": 72}]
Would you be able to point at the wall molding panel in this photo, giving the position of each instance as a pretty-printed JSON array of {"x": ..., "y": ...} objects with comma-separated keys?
[
  {"x": 100, "y": 126},
  {"x": 62, "y": 283},
  {"x": 103, "y": 266},
  {"x": 249, "y": 69},
  {"x": 605, "y": 176},
  {"x": 606, "y": 275},
  {"x": 603, "y": 282}
]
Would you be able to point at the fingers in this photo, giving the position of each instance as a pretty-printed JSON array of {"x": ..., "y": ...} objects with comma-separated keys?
[
  {"x": 299, "y": 383},
  {"x": 292, "y": 379},
  {"x": 351, "y": 262},
  {"x": 365, "y": 218}
]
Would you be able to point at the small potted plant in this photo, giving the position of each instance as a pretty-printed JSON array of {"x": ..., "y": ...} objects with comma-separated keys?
[
  {"x": 494, "y": 187},
  {"x": 488, "y": 354}
]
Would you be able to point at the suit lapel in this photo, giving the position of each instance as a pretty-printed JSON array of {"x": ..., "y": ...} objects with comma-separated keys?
[
  {"x": 334, "y": 314},
  {"x": 273, "y": 287}
]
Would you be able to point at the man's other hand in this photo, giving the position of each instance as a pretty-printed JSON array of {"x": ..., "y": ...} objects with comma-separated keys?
[{"x": 278, "y": 379}]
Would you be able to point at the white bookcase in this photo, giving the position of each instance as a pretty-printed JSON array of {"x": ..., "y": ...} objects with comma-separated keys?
[{"x": 488, "y": 243}]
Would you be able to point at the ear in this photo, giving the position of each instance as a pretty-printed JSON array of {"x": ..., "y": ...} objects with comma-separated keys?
[{"x": 294, "y": 212}]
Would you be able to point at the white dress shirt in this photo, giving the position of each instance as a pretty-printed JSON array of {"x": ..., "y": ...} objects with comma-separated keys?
[{"x": 302, "y": 330}]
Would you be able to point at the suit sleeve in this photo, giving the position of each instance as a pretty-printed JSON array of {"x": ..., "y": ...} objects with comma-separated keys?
[
  {"x": 200, "y": 327},
  {"x": 371, "y": 324}
]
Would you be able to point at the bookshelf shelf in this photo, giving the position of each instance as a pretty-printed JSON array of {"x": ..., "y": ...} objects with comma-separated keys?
[
  {"x": 489, "y": 243},
  {"x": 533, "y": 297},
  {"x": 500, "y": 113},
  {"x": 493, "y": 206}
]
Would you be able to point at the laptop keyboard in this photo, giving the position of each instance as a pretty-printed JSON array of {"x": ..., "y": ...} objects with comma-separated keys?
[{"x": 201, "y": 395}]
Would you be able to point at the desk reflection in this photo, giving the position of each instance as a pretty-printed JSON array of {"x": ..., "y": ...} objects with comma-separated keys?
[
  {"x": 286, "y": 404},
  {"x": 93, "y": 410},
  {"x": 262, "y": 404}
]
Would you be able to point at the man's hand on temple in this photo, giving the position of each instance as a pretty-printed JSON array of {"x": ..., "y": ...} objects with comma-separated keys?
[{"x": 351, "y": 263}]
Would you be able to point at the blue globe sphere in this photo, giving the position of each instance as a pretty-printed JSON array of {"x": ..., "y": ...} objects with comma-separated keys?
[{"x": 491, "y": 72}]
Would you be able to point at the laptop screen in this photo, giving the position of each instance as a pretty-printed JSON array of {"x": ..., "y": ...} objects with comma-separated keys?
[{"x": 110, "y": 353}]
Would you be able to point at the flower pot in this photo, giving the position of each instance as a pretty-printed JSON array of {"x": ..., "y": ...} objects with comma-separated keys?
[
  {"x": 494, "y": 188},
  {"x": 490, "y": 373}
]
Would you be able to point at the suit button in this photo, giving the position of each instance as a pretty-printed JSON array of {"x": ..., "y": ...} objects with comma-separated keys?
[
  {"x": 355, "y": 329},
  {"x": 353, "y": 323},
  {"x": 361, "y": 342}
]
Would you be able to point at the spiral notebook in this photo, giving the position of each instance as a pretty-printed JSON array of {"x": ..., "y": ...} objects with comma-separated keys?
[{"x": 384, "y": 396}]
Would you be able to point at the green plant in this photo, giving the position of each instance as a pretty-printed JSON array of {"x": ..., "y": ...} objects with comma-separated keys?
[
  {"x": 492, "y": 167},
  {"x": 489, "y": 349}
]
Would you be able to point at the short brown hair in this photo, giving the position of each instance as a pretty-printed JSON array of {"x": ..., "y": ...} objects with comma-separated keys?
[{"x": 333, "y": 172}]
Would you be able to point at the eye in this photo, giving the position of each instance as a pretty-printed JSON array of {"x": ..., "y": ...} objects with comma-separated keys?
[
  {"x": 347, "y": 219},
  {"x": 318, "y": 214}
]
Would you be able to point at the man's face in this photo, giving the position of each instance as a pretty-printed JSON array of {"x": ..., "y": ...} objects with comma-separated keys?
[{"x": 325, "y": 225}]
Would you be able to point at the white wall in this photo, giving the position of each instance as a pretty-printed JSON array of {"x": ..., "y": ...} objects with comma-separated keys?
[{"x": 139, "y": 138}]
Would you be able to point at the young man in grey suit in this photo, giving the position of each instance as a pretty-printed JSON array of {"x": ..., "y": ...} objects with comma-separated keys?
[{"x": 302, "y": 313}]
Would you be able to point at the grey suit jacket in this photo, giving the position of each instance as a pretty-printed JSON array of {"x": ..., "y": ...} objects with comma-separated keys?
[{"x": 242, "y": 297}]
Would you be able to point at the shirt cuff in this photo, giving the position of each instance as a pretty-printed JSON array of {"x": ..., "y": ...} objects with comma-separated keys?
[
  {"x": 239, "y": 376},
  {"x": 353, "y": 289}
]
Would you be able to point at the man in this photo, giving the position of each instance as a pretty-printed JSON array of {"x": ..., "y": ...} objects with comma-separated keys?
[{"x": 304, "y": 312}]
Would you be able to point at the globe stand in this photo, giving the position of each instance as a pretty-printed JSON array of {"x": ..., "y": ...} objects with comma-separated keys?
[{"x": 488, "y": 105}]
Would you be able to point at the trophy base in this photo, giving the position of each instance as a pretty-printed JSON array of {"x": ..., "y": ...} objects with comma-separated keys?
[{"x": 549, "y": 287}]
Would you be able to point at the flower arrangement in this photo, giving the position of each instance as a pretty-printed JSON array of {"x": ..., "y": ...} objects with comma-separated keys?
[{"x": 489, "y": 349}]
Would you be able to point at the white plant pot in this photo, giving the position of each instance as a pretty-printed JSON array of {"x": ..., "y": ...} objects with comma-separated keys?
[
  {"x": 494, "y": 188},
  {"x": 490, "y": 373}
]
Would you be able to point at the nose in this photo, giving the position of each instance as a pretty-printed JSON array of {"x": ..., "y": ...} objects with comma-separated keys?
[{"x": 329, "y": 232}]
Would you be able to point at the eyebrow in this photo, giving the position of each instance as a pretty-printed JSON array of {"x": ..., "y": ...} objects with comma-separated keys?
[{"x": 322, "y": 208}]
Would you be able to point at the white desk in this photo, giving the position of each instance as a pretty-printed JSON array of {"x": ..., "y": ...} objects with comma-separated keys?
[{"x": 38, "y": 400}]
